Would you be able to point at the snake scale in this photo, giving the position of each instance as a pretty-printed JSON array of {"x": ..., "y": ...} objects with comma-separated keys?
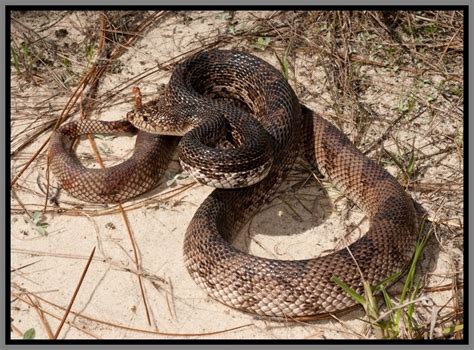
[{"x": 201, "y": 89}]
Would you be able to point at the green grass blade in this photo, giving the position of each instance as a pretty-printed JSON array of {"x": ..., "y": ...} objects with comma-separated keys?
[
  {"x": 453, "y": 329},
  {"x": 352, "y": 293},
  {"x": 29, "y": 334}
]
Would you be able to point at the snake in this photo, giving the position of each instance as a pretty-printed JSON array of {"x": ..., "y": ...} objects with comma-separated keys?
[{"x": 239, "y": 93}]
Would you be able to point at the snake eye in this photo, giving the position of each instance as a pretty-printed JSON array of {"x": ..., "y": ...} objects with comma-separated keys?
[{"x": 145, "y": 118}]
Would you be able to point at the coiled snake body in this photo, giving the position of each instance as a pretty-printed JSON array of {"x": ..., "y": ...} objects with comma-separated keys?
[{"x": 275, "y": 288}]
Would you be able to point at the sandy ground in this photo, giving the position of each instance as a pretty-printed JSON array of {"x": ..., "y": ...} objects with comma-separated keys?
[{"x": 308, "y": 218}]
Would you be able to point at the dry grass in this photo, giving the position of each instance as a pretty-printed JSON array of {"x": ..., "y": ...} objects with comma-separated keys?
[{"x": 392, "y": 81}]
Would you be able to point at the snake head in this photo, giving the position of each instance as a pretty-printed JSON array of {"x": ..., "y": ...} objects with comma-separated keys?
[
  {"x": 141, "y": 118},
  {"x": 160, "y": 118}
]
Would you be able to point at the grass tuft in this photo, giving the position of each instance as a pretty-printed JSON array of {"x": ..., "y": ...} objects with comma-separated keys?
[{"x": 398, "y": 318}]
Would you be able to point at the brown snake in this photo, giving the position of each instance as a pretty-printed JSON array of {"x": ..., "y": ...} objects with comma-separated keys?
[{"x": 275, "y": 288}]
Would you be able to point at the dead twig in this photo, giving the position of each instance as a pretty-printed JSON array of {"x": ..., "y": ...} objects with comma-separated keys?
[{"x": 68, "y": 309}]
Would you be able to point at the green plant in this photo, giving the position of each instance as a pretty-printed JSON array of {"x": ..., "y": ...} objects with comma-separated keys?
[
  {"x": 29, "y": 334},
  {"x": 40, "y": 225},
  {"x": 262, "y": 43},
  {"x": 284, "y": 63},
  {"x": 90, "y": 52},
  {"x": 409, "y": 167},
  {"x": 388, "y": 324},
  {"x": 22, "y": 57}
]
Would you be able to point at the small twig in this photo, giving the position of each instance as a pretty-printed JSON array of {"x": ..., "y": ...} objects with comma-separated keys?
[
  {"x": 447, "y": 46},
  {"x": 102, "y": 28},
  {"x": 24, "y": 266},
  {"x": 444, "y": 287},
  {"x": 137, "y": 261},
  {"x": 172, "y": 298},
  {"x": 95, "y": 150},
  {"x": 68, "y": 309},
  {"x": 43, "y": 320},
  {"x": 15, "y": 329},
  {"x": 13, "y": 192},
  {"x": 400, "y": 306},
  {"x": 45, "y": 206}
]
